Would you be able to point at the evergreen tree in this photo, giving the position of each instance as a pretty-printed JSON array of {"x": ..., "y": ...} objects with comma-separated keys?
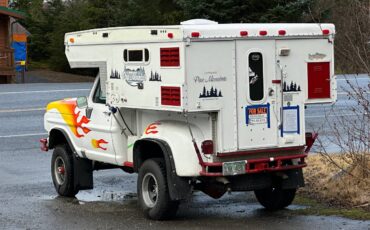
[{"x": 49, "y": 20}]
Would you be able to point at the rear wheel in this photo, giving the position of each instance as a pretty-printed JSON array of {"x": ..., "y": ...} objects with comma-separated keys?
[
  {"x": 153, "y": 193},
  {"x": 62, "y": 171},
  {"x": 275, "y": 198}
]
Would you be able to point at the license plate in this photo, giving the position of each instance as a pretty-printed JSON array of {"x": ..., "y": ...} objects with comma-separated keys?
[{"x": 233, "y": 168}]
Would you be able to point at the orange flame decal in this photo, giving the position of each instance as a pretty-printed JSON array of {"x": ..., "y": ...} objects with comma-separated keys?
[
  {"x": 151, "y": 129},
  {"x": 97, "y": 144},
  {"x": 67, "y": 109}
]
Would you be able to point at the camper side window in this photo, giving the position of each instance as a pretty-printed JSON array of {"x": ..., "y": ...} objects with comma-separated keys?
[
  {"x": 256, "y": 91},
  {"x": 136, "y": 55}
]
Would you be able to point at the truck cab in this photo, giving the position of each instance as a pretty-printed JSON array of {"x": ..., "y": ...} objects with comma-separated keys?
[{"x": 197, "y": 106}]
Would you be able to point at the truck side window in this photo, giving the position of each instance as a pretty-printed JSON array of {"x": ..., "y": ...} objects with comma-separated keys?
[
  {"x": 136, "y": 55},
  {"x": 98, "y": 95},
  {"x": 256, "y": 91}
]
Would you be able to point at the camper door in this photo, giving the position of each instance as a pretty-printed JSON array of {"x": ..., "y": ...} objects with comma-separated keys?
[{"x": 257, "y": 106}]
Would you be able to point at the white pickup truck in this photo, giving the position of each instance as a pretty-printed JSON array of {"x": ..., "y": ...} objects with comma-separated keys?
[{"x": 197, "y": 106}]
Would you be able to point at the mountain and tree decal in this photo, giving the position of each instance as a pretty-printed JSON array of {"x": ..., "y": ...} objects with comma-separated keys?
[
  {"x": 115, "y": 75},
  {"x": 213, "y": 92},
  {"x": 155, "y": 76},
  {"x": 292, "y": 87}
]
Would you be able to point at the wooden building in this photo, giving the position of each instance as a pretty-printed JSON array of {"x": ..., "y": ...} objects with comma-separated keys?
[{"x": 7, "y": 65}]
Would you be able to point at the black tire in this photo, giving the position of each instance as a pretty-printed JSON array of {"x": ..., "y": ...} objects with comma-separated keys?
[
  {"x": 153, "y": 193},
  {"x": 62, "y": 171},
  {"x": 275, "y": 198}
]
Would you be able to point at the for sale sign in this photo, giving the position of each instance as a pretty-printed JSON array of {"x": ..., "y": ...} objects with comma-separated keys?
[{"x": 258, "y": 114}]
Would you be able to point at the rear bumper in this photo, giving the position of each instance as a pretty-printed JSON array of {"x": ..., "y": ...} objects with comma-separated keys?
[
  {"x": 271, "y": 164},
  {"x": 266, "y": 164}
]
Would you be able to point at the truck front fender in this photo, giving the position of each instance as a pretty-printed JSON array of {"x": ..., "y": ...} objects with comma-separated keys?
[{"x": 59, "y": 136}]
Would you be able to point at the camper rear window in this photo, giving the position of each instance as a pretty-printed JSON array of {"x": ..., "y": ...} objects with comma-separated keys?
[
  {"x": 256, "y": 92},
  {"x": 137, "y": 55}
]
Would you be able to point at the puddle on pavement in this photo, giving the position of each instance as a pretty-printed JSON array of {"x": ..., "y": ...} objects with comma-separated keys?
[
  {"x": 91, "y": 196},
  {"x": 84, "y": 197},
  {"x": 234, "y": 204}
]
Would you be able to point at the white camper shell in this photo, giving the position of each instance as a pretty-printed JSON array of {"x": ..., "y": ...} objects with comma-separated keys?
[
  {"x": 257, "y": 78},
  {"x": 197, "y": 106}
]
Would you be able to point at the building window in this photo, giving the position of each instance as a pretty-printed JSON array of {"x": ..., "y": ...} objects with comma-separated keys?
[
  {"x": 256, "y": 89},
  {"x": 136, "y": 55}
]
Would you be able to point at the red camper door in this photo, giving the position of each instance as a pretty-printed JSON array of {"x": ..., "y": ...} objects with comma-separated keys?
[{"x": 318, "y": 80}]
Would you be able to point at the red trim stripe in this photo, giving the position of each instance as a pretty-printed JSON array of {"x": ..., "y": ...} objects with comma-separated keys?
[
  {"x": 259, "y": 165},
  {"x": 243, "y": 153}
]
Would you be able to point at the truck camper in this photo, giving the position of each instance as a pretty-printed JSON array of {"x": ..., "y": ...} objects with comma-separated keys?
[{"x": 199, "y": 106}]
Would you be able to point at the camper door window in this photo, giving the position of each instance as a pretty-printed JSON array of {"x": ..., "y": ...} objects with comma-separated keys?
[
  {"x": 136, "y": 55},
  {"x": 256, "y": 91}
]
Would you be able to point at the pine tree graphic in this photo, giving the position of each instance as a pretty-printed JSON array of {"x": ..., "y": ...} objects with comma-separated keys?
[{"x": 213, "y": 92}]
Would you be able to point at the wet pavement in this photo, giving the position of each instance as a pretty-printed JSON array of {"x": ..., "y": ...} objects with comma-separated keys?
[{"x": 28, "y": 199}]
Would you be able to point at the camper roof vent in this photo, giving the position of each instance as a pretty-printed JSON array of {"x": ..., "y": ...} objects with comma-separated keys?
[{"x": 198, "y": 22}]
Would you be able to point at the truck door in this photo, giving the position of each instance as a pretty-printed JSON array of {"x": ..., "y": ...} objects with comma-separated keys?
[
  {"x": 98, "y": 143},
  {"x": 257, "y": 107}
]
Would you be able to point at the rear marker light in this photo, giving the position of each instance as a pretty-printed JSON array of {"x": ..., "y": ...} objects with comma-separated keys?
[
  {"x": 282, "y": 32},
  {"x": 170, "y": 35},
  {"x": 326, "y": 32},
  {"x": 243, "y": 33},
  {"x": 207, "y": 147},
  {"x": 263, "y": 32},
  {"x": 195, "y": 34}
]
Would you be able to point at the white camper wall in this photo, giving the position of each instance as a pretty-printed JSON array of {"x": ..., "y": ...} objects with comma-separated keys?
[
  {"x": 210, "y": 71},
  {"x": 123, "y": 89},
  {"x": 296, "y": 67}
]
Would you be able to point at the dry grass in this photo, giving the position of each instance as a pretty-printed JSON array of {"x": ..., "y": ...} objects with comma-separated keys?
[{"x": 326, "y": 182}]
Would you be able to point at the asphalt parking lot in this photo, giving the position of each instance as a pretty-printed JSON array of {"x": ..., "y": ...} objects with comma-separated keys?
[{"x": 28, "y": 199}]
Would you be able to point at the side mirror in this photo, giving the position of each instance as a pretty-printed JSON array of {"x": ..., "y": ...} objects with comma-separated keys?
[{"x": 82, "y": 102}]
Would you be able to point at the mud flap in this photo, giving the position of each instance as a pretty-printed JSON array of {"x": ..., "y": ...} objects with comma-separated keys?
[
  {"x": 83, "y": 174},
  {"x": 179, "y": 187},
  {"x": 294, "y": 179}
]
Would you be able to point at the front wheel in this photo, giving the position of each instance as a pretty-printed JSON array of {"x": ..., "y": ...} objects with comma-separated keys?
[
  {"x": 275, "y": 198},
  {"x": 62, "y": 171},
  {"x": 153, "y": 193}
]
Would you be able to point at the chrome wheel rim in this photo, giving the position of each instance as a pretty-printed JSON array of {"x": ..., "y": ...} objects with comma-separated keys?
[
  {"x": 59, "y": 170},
  {"x": 150, "y": 190}
]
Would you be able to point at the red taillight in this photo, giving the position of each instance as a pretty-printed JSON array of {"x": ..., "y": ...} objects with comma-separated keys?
[
  {"x": 44, "y": 144},
  {"x": 325, "y": 32},
  {"x": 170, "y": 96},
  {"x": 170, "y": 35},
  {"x": 170, "y": 56},
  {"x": 243, "y": 33},
  {"x": 263, "y": 32},
  {"x": 195, "y": 34},
  {"x": 207, "y": 147},
  {"x": 282, "y": 32}
]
